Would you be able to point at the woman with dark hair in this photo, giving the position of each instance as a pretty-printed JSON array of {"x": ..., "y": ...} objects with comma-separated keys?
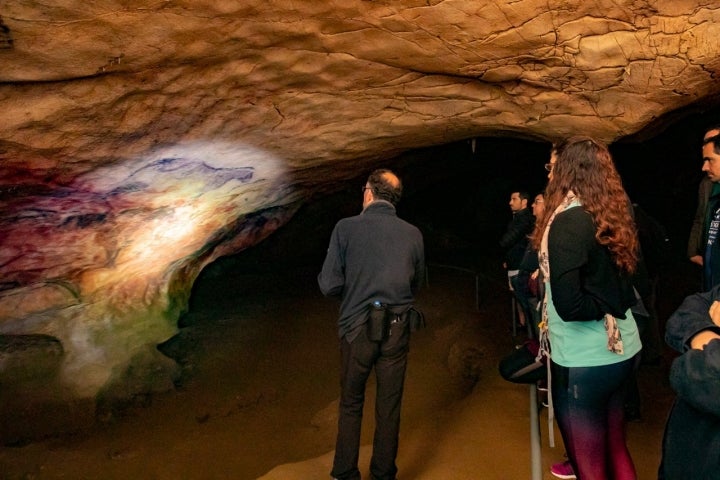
[{"x": 588, "y": 250}]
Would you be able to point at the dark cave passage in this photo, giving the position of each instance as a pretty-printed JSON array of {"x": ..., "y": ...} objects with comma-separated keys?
[{"x": 457, "y": 195}]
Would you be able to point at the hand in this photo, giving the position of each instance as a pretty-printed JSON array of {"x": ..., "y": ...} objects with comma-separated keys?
[
  {"x": 697, "y": 259},
  {"x": 714, "y": 312},
  {"x": 535, "y": 274},
  {"x": 701, "y": 339}
]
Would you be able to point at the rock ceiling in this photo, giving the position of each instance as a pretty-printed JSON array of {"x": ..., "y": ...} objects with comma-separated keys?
[{"x": 140, "y": 140}]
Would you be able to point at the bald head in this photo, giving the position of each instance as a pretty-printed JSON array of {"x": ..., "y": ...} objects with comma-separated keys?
[{"x": 385, "y": 185}]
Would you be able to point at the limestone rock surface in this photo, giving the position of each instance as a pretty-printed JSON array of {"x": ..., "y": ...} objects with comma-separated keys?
[{"x": 140, "y": 140}]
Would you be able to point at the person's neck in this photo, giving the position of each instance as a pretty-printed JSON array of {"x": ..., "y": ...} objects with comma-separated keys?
[{"x": 378, "y": 201}]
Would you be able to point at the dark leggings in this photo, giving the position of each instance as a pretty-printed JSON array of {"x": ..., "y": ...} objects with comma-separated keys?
[{"x": 588, "y": 405}]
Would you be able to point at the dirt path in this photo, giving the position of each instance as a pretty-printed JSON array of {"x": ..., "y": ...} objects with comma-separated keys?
[{"x": 261, "y": 397}]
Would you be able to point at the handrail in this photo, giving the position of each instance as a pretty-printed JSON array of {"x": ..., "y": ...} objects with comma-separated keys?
[{"x": 461, "y": 269}]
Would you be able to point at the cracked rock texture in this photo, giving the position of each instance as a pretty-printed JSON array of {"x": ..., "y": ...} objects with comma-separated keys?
[{"x": 140, "y": 140}]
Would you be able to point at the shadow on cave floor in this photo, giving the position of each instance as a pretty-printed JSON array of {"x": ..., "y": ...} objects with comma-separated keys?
[{"x": 261, "y": 386}]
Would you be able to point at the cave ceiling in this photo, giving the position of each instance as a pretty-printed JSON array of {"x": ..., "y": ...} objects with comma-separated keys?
[{"x": 140, "y": 140}]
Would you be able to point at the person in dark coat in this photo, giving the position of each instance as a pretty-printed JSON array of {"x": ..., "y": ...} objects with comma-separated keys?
[
  {"x": 514, "y": 241},
  {"x": 703, "y": 244},
  {"x": 691, "y": 444},
  {"x": 375, "y": 263},
  {"x": 525, "y": 283}
]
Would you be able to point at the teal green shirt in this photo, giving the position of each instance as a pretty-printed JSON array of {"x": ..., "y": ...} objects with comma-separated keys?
[{"x": 584, "y": 344}]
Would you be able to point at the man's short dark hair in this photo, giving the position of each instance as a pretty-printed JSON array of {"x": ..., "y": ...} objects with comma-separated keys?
[
  {"x": 523, "y": 194},
  {"x": 382, "y": 189},
  {"x": 715, "y": 139}
]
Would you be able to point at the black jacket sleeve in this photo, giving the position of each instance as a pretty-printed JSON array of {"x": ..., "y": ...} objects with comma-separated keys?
[
  {"x": 695, "y": 240},
  {"x": 694, "y": 377},
  {"x": 694, "y": 374},
  {"x": 585, "y": 282},
  {"x": 518, "y": 230},
  {"x": 690, "y": 318}
]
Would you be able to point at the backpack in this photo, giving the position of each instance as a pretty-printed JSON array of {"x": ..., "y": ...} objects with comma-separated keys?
[{"x": 523, "y": 364}]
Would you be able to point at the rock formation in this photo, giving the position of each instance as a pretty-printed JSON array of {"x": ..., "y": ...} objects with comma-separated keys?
[{"x": 140, "y": 140}]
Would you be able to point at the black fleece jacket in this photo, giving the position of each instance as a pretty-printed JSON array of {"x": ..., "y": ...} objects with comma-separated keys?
[
  {"x": 372, "y": 256},
  {"x": 691, "y": 445}
]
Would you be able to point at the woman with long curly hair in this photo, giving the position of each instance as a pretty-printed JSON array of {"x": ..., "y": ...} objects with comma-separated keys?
[{"x": 588, "y": 250}]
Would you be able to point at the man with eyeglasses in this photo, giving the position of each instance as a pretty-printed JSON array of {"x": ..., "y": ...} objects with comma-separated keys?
[
  {"x": 703, "y": 245},
  {"x": 376, "y": 264}
]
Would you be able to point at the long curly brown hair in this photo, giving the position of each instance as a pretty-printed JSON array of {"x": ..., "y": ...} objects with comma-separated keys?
[{"x": 585, "y": 166}]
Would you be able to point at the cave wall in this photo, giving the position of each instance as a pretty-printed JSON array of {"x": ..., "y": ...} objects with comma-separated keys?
[{"x": 142, "y": 140}]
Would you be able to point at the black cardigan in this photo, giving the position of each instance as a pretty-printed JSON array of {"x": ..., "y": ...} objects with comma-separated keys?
[{"x": 585, "y": 282}]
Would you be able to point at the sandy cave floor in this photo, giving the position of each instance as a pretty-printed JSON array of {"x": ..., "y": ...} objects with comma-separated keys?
[{"x": 260, "y": 396}]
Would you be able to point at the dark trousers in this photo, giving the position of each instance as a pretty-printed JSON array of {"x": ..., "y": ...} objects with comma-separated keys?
[{"x": 389, "y": 358}]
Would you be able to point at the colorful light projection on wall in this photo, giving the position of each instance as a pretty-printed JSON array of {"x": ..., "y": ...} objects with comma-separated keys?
[{"x": 167, "y": 206}]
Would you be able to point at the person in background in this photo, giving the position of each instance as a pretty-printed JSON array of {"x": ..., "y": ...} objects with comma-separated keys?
[
  {"x": 515, "y": 239},
  {"x": 524, "y": 284},
  {"x": 373, "y": 258},
  {"x": 654, "y": 255},
  {"x": 691, "y": 444},
  {"x": 703, "y": 247},
  {"x": 695, "y": 247},
  {"x": 588, "y": 253},
  {"x": 656, "y": 252}
]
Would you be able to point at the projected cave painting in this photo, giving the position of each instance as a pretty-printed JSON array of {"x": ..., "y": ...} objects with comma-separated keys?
[{"x": 94, "y": 256}]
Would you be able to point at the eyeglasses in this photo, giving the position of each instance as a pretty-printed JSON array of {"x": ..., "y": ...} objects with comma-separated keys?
[
  {"x": 365, "y": 188},
  {"x": 549, "y": 166}
]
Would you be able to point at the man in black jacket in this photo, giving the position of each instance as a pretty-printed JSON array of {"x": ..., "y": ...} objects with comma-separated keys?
[
  {"x": 691, "y": 445},
  {"x": 515, "y": 240},
  {"x": 373, "y": 258},
  {"x": 703, "y": 243}
]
